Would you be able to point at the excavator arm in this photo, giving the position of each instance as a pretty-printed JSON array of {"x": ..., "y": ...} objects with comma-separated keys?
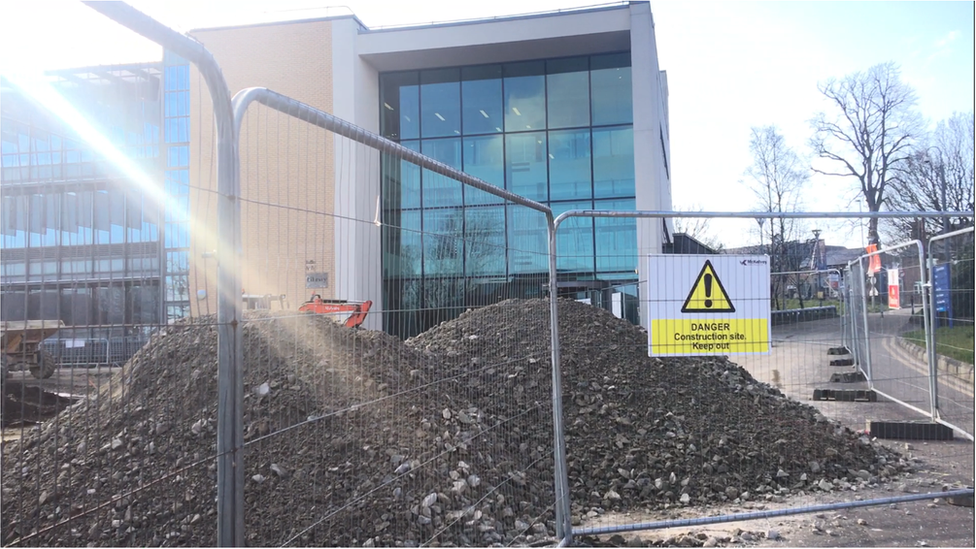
[{"x": 356, "y": 311}]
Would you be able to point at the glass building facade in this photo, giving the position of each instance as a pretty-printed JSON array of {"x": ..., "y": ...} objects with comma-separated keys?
[
  {"x": 80, "y": 241},
  {"x": 176, "y": 152},
  {"x": 558, "y": 131}
]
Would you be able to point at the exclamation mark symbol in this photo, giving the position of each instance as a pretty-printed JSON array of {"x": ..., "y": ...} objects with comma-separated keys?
[{"x": 708, "y": 291}]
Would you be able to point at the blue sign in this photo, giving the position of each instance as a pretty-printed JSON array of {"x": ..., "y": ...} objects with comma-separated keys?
[{"x": 941, "y": 289}]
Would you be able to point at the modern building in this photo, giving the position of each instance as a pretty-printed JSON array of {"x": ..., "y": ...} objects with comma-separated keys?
[
  {"x": 567, "y": 108},
  {"x": 82, "y": 240}
]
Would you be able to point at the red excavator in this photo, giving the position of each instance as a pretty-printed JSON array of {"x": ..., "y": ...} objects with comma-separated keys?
[{"x": 338, "y": 310}]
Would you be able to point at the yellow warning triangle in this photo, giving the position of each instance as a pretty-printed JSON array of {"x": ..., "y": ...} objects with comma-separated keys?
[{"x": 708, "y": 295}]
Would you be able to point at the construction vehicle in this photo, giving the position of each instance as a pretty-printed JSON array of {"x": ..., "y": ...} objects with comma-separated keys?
[
  {"x": 348, "y": 313},
  {"x": 21, "y": 341}
]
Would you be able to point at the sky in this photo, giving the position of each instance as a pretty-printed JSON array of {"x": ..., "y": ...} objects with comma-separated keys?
[{"x": 731, "y": 66}]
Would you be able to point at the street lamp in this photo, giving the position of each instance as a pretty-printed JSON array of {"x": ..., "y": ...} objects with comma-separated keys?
[{"x": 816, "y": 263}]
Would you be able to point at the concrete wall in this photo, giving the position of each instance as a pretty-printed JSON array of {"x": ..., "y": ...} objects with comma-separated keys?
[
  {"x": 356, "y": 240},
  {"x": 650, "y": 172},
  {"x": 497, "y": 41}
]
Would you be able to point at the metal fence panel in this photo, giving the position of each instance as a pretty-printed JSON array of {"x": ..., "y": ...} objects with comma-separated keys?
[
  {"x": 715, "y": 430},
  {"x": 951, "y": 264},
  {"x": 477, "y": 429},
  {"x": 893, "y": 371},
  {"x": 354, "y": 436}
]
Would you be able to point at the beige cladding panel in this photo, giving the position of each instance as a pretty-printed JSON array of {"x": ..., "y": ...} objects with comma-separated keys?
[{"x": 287, "y": 166}]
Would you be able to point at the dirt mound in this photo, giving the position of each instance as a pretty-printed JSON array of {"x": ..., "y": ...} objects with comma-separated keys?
[
  {"x": 152, "y": 431},
  {"x": 648, "y": 432},
  {"x": 354, "y": 437}
]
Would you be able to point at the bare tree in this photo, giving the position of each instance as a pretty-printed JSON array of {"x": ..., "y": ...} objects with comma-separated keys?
[
  {"x": 698, "y": 228},
  {"x": 777, "y": 181},
  {"x": 938, "y": 176},
  {"x": 870, "y": 134}
]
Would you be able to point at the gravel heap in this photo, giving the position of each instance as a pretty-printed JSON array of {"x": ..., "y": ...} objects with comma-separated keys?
[
  {"x": 444, "y": 439},
  {"x": 646, "y": 432}
]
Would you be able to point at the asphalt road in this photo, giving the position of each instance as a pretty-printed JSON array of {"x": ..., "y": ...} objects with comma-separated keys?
[{"x": 798, "y": 364}]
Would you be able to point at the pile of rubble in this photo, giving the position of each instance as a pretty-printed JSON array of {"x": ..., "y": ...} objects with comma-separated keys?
[{"x": 354, "y": 438}]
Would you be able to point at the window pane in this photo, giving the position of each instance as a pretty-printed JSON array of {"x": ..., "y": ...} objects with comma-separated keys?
[
  {"x": 484, "y": 231},
  {"x": 403, "y": 243},
  {"x": 443, "y": 242},
  {"x": 109, "y": 305},
  {"x": 568, "y": 93},
  {"x": 400, "y": 105},
  {"x": 177, "y": 262},
  {"x": 574, "y": 240},
  {"x": 401, "y": 180},
  {"x": 525, "y": 96},
  {"x": 616, "y": 238},
  {"x": 611, "y": 88},
  {"x": 410, "y": 179},
  {"x": 483, "y": 159},
  {"x": 440, "y": 190},
  {"x": 481, "y": 95},
  {"x": 525, "y": 165},
  {"x": 440, "y": 102},
  {"x": 527, "y": 241},
  {"x": 613, "y": 162},
  {"x": 569, "y": 165}
]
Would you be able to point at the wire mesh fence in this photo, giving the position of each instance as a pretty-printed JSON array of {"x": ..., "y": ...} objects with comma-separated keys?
[
  {"x": 354, "y": 436},
  {"x": 331, "y": 289},
  {"x": 104, "y": 416},
  {"x": 893, "y": 372},
  {"x": 951, "y": 262}
]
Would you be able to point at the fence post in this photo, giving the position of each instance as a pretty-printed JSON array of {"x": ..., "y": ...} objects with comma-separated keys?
[
  {"x": 230, "y": 374},
  {"x": 864, "y": 316},
  {"x": 928, "y": 328},
  {"x": 564, "y": 528}
]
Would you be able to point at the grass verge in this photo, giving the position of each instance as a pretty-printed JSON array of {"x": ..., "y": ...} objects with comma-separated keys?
[{"x": 955, "y": 342}]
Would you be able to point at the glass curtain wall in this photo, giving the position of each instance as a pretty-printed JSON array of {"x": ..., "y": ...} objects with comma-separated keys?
[
  {"x": 176, "y": 236},
  {"x": 558, "y": 131},
  {"x": 79, "y": 241}
]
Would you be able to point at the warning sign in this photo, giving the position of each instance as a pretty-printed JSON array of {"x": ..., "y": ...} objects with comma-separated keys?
[
  {"x": 708, "y": 295},
  {"x": 708, "y": 305}
]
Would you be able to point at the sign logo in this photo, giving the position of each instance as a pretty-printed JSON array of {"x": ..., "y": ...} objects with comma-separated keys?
[
  {"x": 316, "y": 280},
  {"x": 707, "y": 294}
]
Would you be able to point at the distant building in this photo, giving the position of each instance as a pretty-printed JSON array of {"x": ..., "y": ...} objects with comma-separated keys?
[
  {"x": 567, "y": 108},
  {"x": 682, "y": 243},
  {"x": 81, "y": 241}
]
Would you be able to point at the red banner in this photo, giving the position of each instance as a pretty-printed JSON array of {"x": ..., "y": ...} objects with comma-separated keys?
[{"x": 874, "y": 261}]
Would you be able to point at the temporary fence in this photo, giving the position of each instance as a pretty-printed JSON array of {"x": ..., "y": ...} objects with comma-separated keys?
[
  {"x": 477, "y": 429},
  {"x": 446, "y": 439},
  {"x": 892, "y": 374},
  {"x": 819, "y": 354},
  {"x": 950, "y": 261}
]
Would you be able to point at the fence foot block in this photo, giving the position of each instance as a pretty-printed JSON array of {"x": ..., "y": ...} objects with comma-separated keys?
[
  {"x": 842, "y": 362},
  {"x": 909, "y": 430},
  {"x": 848, "y": 377},
  {"x": 961, "y": 501},
  {"x": 845, "y": 395},
  {"x": 838, "y": 351}
]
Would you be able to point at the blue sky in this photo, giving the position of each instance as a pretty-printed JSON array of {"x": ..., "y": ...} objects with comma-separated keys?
[{"x": 731, "y": 65}]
